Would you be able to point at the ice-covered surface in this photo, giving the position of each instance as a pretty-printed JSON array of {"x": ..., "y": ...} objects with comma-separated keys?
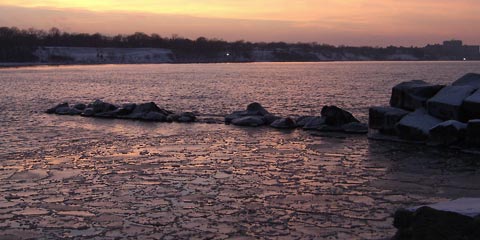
[
  {"x": 466, "y": 206},
  {"x": 63, "y": 176},
  {"x": 452, "y": 95},
  {"x": 420, "y": 120}
]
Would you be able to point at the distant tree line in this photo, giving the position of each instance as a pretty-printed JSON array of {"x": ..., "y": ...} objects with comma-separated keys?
[{"x": 19, "y": 45}]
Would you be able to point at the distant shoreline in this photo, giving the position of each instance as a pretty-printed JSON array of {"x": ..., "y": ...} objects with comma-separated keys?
[{"x": 35, "y": 64}]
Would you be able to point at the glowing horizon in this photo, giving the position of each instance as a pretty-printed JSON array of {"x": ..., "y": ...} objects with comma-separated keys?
[{"x": 352, "y": 22}]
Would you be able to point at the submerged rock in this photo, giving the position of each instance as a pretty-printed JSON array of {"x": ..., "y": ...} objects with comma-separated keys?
[
  {"x": 335, "y": 116},
  {"x": 469, "y": 79},
  {"x": 447, "y": 133},
  {"x": 302, "y": 120},
  {"x": 416, "y": 125},
  {"x": 413, "y": 94},
  {"x": 446, "y": 104},
  {"x": 284, "y": 123},
  {"x": 384, "y": 119},
  {"x": 100, "y": 106},
  {"x": 182, "y": 117}
]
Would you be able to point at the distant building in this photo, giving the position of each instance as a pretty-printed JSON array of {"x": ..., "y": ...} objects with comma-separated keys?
[{"x": 453, "y": 50}]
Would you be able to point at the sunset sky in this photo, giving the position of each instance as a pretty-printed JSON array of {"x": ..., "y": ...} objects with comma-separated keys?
[{"x": 349, "y": 22}]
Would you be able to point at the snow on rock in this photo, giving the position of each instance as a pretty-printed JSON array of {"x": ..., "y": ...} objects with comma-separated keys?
[
  {"x": 416, "y": 125},
  {"x": 446, "y": 104},
  {"x": 412, "y": 94},
  {"x": 469, "y": 79}
]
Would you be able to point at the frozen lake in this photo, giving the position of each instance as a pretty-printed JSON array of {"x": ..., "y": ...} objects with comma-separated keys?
[{"x": 63, "y": 176}]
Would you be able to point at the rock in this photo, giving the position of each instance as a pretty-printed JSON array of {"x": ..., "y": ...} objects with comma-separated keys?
[
  {"x": 471, "y": 106},
  {"x": 473, "y": 133},
  {"x": 384, "y": 119},
  {"x": 142, "y": 110},
  {"x": 469, "y": 79},
  {"x": 254, "y": 110},
  {"x": 100, "y": 106},
  {"x": 154, "y": 116},
  {"x": 249, "y": 121},
  {"x": 413, "y": 94},
  {"x": 314, "y": 123},
  {"x": 80, "y": 106},
  {"x": 446, "y": 104},
  {"x": 126, "y": 109},
  {"x": 67, "y": 111},
  {"x": 284, "y": 123},
  {"x": 447, "y": 133},
  {"x": 54, "y": 109},
  {"x": 183, "y": 117},
  {"x": 416, "y": 125},
  {"x": 88, "y": 112},
  {"x": 456, "y": 219},
  {"x": 335, "y": 116},
  {"x": 302, "y": 120},
  {"x": 354, "y": 127}
]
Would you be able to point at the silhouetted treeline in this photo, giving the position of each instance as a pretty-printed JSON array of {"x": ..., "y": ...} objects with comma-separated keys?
[{"x": 17, "y": 45}]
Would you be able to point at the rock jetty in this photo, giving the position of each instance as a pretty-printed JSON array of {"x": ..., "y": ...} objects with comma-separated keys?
[
  {"x": 430, "y": 113},
  {"x": 332, "y": 119},
  {"x": 144, "y": 111}
]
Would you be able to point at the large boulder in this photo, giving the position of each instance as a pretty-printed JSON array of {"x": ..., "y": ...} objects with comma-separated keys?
[
  {"x": 154, "y": 116},
  {"x": 471, "y": 106},
  {"x": 473, "y": 133},
  {"x": 448, "y": 133},
  {"x": 413, "y": 94},
  {"x": 458, "y": 219},
  {"x": 249, "y": 121},
  {"x": 416, "y": 125},
  {"x": 335, "y": 116},
  {"x": 149, "y": 111},
  {"x": 447, "y": 103},
  {"x": 469, "y": 79},
  {"x": 384, "y": 119},
  {"x": 284, "y": 123}
]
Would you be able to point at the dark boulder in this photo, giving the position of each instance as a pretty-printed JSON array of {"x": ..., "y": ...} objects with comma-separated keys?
[
  {"x": 256, "y": 109},
  {"x": 80, "y": 106},
  {"x": 416, "y": 125},
  {"x": 67, "y": 111},
  {"x": 447, "y": 103},
  {"x": 54, "y": 109},
  {"x": 448, "y": 133},
  {"x": 284, "y": 123},
  {"x": 384, "y": 119},
  {"x": 471, "y": 106},
  {"x": 126, "y": 109},
  {"x": 335, "y": 116},
  {"x": 88, "y": 112},
  {"x": 473, "y": 133},
  {"x": 469, "y": 79},
  {"x": 100, "y": 106},
  {"x": 249, "y": 121},
  {"x": 142, "y": 111},
  {"x": 413, "y": 94},
  {"x": 154, "y": 116}
]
